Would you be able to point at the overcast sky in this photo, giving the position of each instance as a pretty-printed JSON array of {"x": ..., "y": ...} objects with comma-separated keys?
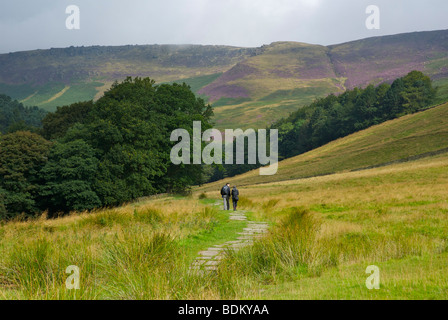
[{"x": 41, "y": 24}]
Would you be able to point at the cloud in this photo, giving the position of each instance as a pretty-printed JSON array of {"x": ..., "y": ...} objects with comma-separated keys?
[{"x": 26, "y": 25}]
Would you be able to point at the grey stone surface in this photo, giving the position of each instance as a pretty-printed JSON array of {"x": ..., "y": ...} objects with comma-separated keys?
[{"x": 208, "y": 260}]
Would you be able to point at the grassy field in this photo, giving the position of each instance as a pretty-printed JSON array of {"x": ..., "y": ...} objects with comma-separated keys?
[
  {"x": 393, "y": 217},
  {"x": 324, "y": 232},
  {"x": 139, "y": 251},
  {"x": 442, "y": 90},
  {"x": 196, "y": 83},
  {"x": 50, "y": 96},
  {"x": 262, "y": 112}
]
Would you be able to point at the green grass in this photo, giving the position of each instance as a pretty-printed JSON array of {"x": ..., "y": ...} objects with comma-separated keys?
[
  {"x": 44, "y": 93},
  {"x": 328, "y": 229},
  {"x": 422, "y": 280},
  {"x": 134, "y": 252},
  {"x": 221, "y": 231},
  {"x": 297, "y": 94},
  {"x": 18, "y": 92},
  {"x": 46, "y": 96},
  {"x": 324, "y": 232},
  {"x": 76, "y": 92},
  {"x": 442, "y": 91},
  {"x": 274, "y": 102},
  {"x": 230, "y": 101}
]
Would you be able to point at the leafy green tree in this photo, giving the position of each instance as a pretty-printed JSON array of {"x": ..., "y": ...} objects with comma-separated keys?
[
  {"x": 180, "y": 108},
  {"x": 130, "y": 127},
  {"x": 22, "y": 155},
  {"x": 13, "y": 112},
  {"x": 56, "y": 124},
  {"x": 418, "y": 92},
  {"x": 21, "y": 125},
  {"x": 68, "y": 177},
  {"x": 3, "y": 213}
]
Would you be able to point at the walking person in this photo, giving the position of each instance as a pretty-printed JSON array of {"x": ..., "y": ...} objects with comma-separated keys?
[
  {"x": 235, "y": 198},
  {"x": 225, "y": 192}
]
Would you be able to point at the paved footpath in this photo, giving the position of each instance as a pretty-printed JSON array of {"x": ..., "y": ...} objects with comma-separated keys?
[{"x": 208, "y": 260}]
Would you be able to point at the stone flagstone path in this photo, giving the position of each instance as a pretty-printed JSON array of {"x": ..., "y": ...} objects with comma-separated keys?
[{"x": 208, "y": 260}]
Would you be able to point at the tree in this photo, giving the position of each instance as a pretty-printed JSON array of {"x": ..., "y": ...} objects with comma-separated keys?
[
  {"x": 56, "y": 124},
  {"x": 333, "y": 117},
  {"x": 106, "y": 152},
  {"x": 15, "y": 117},
  {"x": 3, "y": 212},
  {"x": 68, "y": 177},
  {"x": 418, "y": 92},
  {"x": 130, "y": 127},
  {"x": 22, "y": 155}
]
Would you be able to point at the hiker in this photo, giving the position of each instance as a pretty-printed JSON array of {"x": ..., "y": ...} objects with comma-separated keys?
[
  {"x": 225, "y": 192},
  {"x": 235, "y": 198}
]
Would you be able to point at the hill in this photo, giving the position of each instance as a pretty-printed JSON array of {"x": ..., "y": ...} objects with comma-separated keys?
[
  {"x": 286, "y": 75},
  {"x": 407, "y": 138},
  {"x": 289, "y": 75},
  {"x": 249, "y": 87},
  {"x": 49, "y": 78}
]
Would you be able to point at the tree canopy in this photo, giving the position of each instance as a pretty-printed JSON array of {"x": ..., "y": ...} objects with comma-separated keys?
[
  {"x": 15, "y": 117},
  {"x": 22, "y": 155}
]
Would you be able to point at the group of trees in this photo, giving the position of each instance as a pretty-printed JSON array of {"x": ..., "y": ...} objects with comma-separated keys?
[
  {"x": 103, "y": 153},
  {"x": 333, "y": 117},
  {"x": 14, "y": 116}
]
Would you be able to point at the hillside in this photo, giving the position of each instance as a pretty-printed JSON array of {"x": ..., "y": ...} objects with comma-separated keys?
[
  {"x": 249, "y": 87},
  {"x": 49, "y": 78},
  {"x": 323, "y": 232},
  {"x": 288, "y": 75},
  {"x": 385, "y": 58},
  {"x": 406, "y": 138},
  {"x": 259, "y": 89}
]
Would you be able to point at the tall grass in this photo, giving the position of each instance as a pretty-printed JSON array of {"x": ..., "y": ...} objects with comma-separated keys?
[
  {"x": 132, "y": 252},
  {"x": 324, "y": 232},
  {"x": 298, "y": 247},
  {"x": 286, "y": 251}
]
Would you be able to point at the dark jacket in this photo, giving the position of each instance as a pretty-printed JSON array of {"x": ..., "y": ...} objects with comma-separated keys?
[
  {"x": 235, "y": 194},
  {"x": 225, "y": 191}
]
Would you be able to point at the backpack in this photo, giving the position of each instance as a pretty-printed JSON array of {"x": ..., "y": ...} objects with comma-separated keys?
[{"x": 223, "y": 191}]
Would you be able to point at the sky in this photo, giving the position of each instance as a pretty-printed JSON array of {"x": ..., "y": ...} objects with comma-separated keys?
[{"x": 41, "y": 24}]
